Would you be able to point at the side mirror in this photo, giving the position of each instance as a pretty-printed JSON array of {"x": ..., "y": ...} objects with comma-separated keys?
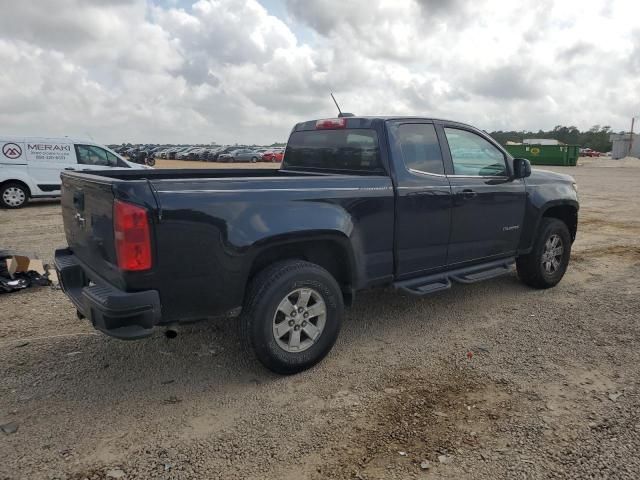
[{"x": 521, "y": 168}]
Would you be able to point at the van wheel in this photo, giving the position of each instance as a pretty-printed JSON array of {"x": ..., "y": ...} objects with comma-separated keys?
[
  {"x": 547, "y": 262},
  {"x": 292, "y": 316},
  {"x": 13, "y": 195}
]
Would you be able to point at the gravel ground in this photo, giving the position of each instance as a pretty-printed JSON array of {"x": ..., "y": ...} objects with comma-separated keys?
[{"x": 550, "y": 389}]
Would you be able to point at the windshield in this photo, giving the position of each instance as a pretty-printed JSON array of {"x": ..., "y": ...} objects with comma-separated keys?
[{"x": 343, "y": 150}]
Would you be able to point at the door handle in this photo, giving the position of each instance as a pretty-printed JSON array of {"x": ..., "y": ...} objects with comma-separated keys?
[
  {"x": 468, "y": 193},
  {"x": 69, "y": 168}
]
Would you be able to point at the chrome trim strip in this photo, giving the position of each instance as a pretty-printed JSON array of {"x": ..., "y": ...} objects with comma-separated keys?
[
  {"x": 284, "y": 177},
  {"x": 480, "y": 176},
  {"x": 413, "y": 170},
  {"x": 427, "y": 187},
  {"x": 420, "y": 172},
  {"x": 214, "y": 178},
  {"x": 250, "y": 190}
]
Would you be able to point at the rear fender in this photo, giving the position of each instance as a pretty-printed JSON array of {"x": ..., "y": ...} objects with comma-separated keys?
[{"x": 329, "y": 249}]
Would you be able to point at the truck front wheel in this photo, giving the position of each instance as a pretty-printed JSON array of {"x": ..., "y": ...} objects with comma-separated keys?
[
  {"x": 547, "y": 262},
  {"x": 292, "y": 315}
]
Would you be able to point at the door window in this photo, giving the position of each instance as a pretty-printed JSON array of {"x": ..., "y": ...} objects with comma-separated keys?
[
  {"x": 96, "y": 156},
  {"x": 115, "y": 161},
  {"x": 473, "y": 155},
  {"x": 420, "y": 148}
]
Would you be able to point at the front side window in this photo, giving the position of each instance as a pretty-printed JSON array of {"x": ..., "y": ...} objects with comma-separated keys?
[
  {"x": 420, "y": 148},
  {"x": 92, "y": 155},
  {"x": 473, "y": 155}
]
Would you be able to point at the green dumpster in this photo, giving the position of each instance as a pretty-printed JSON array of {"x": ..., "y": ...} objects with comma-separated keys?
[{"x": 562, "y": 155}]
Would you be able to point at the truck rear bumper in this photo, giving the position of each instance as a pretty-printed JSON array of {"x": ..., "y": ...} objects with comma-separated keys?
[{"x": 124, "y": 315}]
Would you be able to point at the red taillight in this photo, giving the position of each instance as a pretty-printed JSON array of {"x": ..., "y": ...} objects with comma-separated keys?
[
  {"x": 133, "y": 239},
  {"x": 331, "y": 123}
]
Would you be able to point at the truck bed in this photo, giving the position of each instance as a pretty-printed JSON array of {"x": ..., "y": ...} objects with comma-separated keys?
[{"x": 211, "y": 228}]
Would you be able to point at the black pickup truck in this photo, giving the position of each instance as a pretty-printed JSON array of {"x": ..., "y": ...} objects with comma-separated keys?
[{"x": 359, "y": 202}]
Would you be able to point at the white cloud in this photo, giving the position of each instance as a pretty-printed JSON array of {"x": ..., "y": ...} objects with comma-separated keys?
[{"x": 227, "y": 70}]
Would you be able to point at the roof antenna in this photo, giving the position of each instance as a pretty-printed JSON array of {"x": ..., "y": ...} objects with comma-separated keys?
[{"x": 340, "y": 114}]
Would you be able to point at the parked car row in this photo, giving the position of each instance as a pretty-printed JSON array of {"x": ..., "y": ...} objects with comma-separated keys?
[{"x": 202, "y": 153}]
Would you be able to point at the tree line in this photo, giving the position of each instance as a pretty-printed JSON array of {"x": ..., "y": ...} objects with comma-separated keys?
[{"x": 596, "y": 138}]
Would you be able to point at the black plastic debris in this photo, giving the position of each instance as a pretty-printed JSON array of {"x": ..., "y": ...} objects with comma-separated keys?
[{"x": 18, "y": 271}]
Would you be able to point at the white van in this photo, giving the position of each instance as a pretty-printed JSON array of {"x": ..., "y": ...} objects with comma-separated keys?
[{"x": 30, "y": 167}]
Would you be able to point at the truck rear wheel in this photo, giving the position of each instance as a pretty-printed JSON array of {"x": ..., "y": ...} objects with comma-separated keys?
[
  {"x": 13, "y": 195},
  {"x": 292, "y": 315},
  {"x": 547, "y": 262}
]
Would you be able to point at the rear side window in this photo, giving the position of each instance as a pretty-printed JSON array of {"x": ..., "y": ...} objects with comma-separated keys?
[
  {"x": 420, "y": 148},
  {"x": 345, "y": 149}
]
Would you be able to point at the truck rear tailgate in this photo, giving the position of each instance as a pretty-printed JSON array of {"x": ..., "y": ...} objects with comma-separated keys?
[
  {"x": 116, "y": 302},
  {"x": 87, "y": 213}
]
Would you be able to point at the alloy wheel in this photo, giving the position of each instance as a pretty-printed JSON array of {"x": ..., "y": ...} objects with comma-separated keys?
[
  {"x": 552, "y": 254},
  {"x": 299, "y": 320}
]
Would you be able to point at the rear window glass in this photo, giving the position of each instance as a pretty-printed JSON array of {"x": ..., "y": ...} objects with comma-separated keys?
[{"x": 348, "y": 149}]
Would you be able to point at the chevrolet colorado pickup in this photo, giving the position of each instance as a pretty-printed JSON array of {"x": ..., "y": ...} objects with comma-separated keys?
[{"x": 359, "y": 202}]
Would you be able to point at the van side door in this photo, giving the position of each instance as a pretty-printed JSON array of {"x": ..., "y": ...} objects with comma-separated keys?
[
  {"x": 46, "y": 159},
  {"x": 423, "y": 198}
]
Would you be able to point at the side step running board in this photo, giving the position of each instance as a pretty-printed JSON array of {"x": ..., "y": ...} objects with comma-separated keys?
[
  {"x": 419, "y": 287},
  {"x": 482, "y": 274},
  {"x": 441, "y": 281}
]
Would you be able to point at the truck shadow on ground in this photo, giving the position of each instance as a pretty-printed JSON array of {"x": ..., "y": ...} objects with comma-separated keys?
[{"x": 207, "y": 357}]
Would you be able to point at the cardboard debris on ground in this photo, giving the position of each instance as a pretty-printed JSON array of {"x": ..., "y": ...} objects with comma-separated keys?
[
  {"x": 17, "y": 264},
  {"x": 18, "y": 271}
]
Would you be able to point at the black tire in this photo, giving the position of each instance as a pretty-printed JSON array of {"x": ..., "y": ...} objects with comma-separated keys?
[
  {"x": 14, "y": 195},
  {"x": 531, "y": 269},
  {"x": 266, "y": 292},
  {"x": 151, "y": 161},
  {"x": 254, "y": 159}
]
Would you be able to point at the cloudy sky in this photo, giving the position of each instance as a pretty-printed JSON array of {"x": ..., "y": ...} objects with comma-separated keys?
[{"x": 247, "y": 70}]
